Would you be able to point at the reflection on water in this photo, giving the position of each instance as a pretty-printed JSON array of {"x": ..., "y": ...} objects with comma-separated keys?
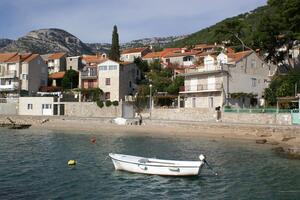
[{"x": 33, "y": 164}]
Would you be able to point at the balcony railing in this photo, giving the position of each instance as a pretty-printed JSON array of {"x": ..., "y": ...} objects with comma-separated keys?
[
  {"x": 204, "y": 69},
  {"x": 8, "y": 74},
  {"x": 201, "y": 87},
  {"x": 86, "y": 75},
  {"x": 10, "y": 87}
]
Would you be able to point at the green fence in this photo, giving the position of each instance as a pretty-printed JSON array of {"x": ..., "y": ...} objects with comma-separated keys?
[{"x": 256, "y": 110}]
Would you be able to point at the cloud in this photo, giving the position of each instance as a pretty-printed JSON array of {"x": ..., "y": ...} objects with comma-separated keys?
[{"x": 92, "y": 20}]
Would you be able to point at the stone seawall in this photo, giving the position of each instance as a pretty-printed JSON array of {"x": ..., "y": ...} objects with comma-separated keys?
[
  {"x": 183, "y": 114},
  {"x": 205, "y": 115},
  {"x": 90, "y": 109},
  {"x": 258, "y": 118}
]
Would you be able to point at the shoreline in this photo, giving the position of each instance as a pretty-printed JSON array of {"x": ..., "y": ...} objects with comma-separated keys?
[{"x": 284, "y": 138}]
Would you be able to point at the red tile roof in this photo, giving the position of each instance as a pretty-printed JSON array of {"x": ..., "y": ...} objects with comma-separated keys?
[
  {"x": 235, "y": 57},
  {"x": 93, "y": 59},
  {"x": 171, "y": 54},
  {"x": 6, "y": 56},
  {"x": 153, "y": 55},
  {"x": 19, "y": 58},
  {"x": 57, "y": 75},
  {"x": 56, "y": 56},
  {"x": 31, "y": 57},
  {"x": 134, "y": 50}
]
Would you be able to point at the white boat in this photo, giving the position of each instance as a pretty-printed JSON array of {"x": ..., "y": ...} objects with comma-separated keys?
[{"x": 157, "y": 166}]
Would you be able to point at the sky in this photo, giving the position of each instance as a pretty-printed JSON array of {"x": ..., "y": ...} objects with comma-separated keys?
[{"x": 93, "y": 20}]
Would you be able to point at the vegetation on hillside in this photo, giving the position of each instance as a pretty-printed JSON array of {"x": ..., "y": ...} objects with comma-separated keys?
[
  {"x": 283, "y": 86},
  {"x": 266, "y": 28}
]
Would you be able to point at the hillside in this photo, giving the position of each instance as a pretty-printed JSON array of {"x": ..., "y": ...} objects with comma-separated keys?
[
  {"x": 45, "y": 41},
  {"x": 249, "y": 22},
  {"x": 5, "y": 42}
]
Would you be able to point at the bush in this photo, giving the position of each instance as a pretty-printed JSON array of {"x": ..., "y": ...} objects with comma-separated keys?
[
  {"x": 115, "y": 103},
  {"x": 108, "y": 103},
  {"x": 100, "y": 103}
]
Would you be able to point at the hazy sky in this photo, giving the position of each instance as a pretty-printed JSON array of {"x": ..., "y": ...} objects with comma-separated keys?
[{"x": 92, "y": 20}]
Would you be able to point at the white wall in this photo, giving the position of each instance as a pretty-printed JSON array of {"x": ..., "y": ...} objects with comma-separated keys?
[{"x": 36, "y": 102}]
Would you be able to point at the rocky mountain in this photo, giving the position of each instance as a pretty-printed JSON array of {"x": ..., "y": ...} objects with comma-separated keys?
[
  {"x": 5, "y": 42},
  {"x": 45, "y": 41}
]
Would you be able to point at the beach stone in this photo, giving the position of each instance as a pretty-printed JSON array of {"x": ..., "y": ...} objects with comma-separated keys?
[
  {"x": 287, "y": 138},
  {"x": 278, "y": 150},
  {"x": 261, "y": 141},
  {"x": 272, "y": 142}
]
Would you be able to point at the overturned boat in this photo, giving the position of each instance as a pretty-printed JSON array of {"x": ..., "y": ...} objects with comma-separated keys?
[{"x": 157, "y": 166}]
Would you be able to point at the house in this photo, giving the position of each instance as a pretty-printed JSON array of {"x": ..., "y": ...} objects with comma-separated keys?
[
  {"x": 88, "y": 75},
  {"x": 56, "y": 62},
  {"x": 118, "y": 79},
  {"x": 232, "y": 79},
  {"x": 21, "y": 73},
  {"x": 157, "y": 56},
  {"x": 40, "y": 106},
  {"x": 74, "y": 63},
  {"x": 55, "y": 79},
  {"x": 128, "y": 55}
]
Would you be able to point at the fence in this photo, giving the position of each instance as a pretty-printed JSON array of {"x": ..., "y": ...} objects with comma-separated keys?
[{"x": 256, "y": 110}]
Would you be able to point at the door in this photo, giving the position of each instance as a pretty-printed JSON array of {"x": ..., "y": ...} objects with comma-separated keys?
[
  {"x": 210, "y": 102},
  {"x": 211, "y": 82},
  {"x": 295, "y": 116},
  {"x": 47, "y": 109},
  {"x": 194, "y": 102}
]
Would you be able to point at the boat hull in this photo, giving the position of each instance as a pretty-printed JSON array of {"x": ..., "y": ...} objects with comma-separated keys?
[{"x": 156, "y": 166}]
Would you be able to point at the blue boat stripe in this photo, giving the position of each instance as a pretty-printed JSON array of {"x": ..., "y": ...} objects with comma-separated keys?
[{"x": 155, "y": 165}]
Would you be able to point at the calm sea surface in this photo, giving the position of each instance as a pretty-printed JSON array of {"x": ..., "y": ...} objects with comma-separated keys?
[{"x": 33, "y": 165}]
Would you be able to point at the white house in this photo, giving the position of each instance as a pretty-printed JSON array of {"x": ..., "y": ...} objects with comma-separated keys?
[
  {"x": 128, "y": 55},
  {"x": 118, "y": 79},
  {"x": 233, "y": 79}
]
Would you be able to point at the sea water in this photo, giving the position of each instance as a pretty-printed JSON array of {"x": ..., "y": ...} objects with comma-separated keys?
[{"x": 33, "y": 165}]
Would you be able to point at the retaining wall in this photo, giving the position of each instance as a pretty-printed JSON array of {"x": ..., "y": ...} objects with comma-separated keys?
[
  {"x": 90, "y": 109},
  {"x": 8, "y": 108},
  {"x": 184, "y": 114}
]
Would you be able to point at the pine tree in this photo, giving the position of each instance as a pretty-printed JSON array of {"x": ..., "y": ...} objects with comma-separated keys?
[{"x": 114, "y": 53}]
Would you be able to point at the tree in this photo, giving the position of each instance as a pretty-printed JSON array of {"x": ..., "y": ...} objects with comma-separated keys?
[
  {"x": 114, "y": 53},
  {"x": 70, "y": 79}
]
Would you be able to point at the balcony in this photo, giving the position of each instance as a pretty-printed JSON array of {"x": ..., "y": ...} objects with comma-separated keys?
[
  {"x": 201, "y": 88},
  {"x": 11, "y": 87},
  {"x": 203, "y": 69},
  {"x": 90, "y": 73},
  {"x": 8, "y": 74}
]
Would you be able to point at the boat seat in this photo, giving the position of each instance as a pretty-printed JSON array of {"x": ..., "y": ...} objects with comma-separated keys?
[{"x": 143, "y": 160}]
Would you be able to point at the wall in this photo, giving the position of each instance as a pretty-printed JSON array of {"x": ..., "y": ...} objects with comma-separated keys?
[
  {"x": 201, "y": 114},
  {"x": 8, "y": 108},
  {"x": 90, "y": 109},
  {"x": 187, "y": 114},
  {"x": 36, "y": 102},
  {"x": 258, "y": 118},
  {"x": 37, "y": 74}
]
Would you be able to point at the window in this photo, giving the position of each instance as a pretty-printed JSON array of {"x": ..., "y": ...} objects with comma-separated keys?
[
  {"x": 70, "y": 59},
  {"x": 29, "y": 106},
  {"x": 253, "y": 63},
  {"x": 90, "y": 83},
  {"x": 112, "y": 67},
  {"x": 107, "y": 81},
  {"x": 107, "y": 95},
  {"x": 46, "y": 106},
  {"x": 24, "y": 76},
  {"x": 103, "y": 68},
  {"x": 253, "y": 82},
  {"x": 130, "y": 84}
]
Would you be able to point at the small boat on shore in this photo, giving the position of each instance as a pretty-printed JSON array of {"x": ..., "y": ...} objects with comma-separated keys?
[{"x": 157, "y": 166}]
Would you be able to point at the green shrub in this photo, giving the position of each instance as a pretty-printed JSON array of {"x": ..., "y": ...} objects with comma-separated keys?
[
  {"x": 100, "y": 103},
  {"x": 115, "y": 103},
  {"x": 108, "y": 103}
]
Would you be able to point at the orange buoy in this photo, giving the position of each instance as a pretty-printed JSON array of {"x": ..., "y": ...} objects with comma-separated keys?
[{"x": 93, "y": 140}]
